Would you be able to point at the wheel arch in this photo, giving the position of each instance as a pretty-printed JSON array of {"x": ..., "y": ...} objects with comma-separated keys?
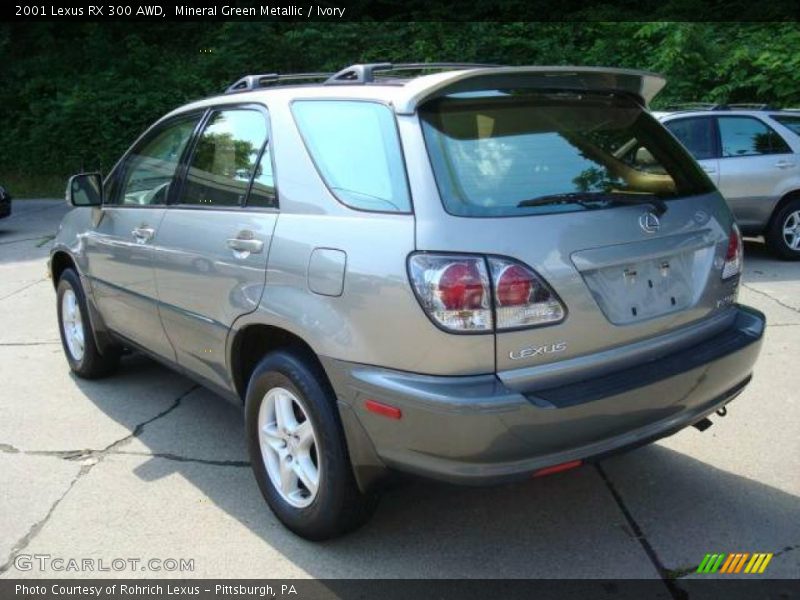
[
  {"x": 60, "y": 261},
  {"x": 254, "y": 341},
  {"x": 785, "y": 199}
]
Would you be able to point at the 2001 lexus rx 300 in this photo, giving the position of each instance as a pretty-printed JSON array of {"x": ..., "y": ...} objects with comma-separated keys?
[{"x": 476, "y": 274}]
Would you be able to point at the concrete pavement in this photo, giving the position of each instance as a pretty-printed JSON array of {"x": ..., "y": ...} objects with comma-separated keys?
[{"x": 146, "y": 464}]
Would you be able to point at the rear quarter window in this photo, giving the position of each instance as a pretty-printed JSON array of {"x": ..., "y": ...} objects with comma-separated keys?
[{"x": 356, "y": 149}]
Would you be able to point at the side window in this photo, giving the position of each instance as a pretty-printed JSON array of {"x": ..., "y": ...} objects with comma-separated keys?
[
  {"x": 356, "y": 148},
  {"x": 224, "y": 159},
  {"x": 696, "y": 135},
  {"x": 791, "y": 122},
  {"x": 746, "y": 136},
  {"x": 150, "y": 168}
]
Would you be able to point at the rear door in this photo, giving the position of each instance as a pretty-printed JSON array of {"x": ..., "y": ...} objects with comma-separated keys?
[
  {"x": 699, "y": 136},
  {"x": 754, "y": 163},
  {"x": 120, "y": 247},
  {"x": 593, "y": 194},
  {"x": 211, "y": 248}
]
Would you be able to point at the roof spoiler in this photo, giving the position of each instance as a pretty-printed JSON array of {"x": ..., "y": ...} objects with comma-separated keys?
[{"x": 642, "y": 84}]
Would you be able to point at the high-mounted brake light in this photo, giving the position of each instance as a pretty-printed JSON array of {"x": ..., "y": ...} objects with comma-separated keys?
[
  {"x": 457, "y": 290},
  {"x": 733, "y": 255}
]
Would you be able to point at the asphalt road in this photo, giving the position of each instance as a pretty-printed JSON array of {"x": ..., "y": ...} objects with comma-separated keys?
[{"x": 147, "y": 465}]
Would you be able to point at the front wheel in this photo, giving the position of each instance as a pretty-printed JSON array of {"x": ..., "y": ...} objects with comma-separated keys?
[
  {"x": 298, "y": 451},
  {"x": 783, "y": 235},
  {"x": 77, "y": 337}
]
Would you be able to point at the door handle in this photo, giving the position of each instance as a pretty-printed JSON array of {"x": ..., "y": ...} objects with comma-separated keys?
[
  {"x": 709, "y": 170},
  {"x": 142, "y": 235},
  {"x": 784, "y": 164},
  {"x": 245, "y": 244}
]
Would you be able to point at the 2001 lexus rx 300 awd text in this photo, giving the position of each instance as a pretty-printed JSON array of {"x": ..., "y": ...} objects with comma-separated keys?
[{"x": 473, "y": 274}]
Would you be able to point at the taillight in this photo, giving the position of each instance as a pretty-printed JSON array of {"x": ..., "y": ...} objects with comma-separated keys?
[
  {"x": 453, "y": 290},
  {"x": 733, "y": 255},
  {"x": 522, "y": 298},
  {"x": 456, "y": 291}
]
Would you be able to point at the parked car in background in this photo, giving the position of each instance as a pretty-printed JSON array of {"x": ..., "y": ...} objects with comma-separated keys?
[
  {"x": 478, "y": 275},
  {"x": 752, "y": 154},
  {"x": 5, "y": 202}
]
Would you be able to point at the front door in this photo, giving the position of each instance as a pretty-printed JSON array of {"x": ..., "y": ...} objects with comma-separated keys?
[
  {"x": 120, "y": 247},
  {"x": 212, "y": 246}
]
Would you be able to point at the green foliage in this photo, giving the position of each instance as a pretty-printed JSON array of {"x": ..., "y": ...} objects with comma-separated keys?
[{"x": 74, "y": 96}]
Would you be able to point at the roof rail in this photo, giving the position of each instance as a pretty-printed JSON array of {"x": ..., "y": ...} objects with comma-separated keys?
[
  {"x": 748, "y": 106},
  {"x": 252, "y": 82},
  {"x": 713, "y": 106},
  {"x": 693, "y": 106},
  {"x": 365, "y": 73}
]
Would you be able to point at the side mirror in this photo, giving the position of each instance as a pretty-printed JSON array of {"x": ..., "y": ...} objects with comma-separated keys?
[{"x": 85, "y": 189}]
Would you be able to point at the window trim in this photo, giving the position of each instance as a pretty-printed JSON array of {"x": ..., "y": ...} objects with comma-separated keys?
[
  {"x": 716, "y": 142},
  {"x": 173, "y": 200},
  {"x": 752, "y": 118},
  {"x": 120, "y": 169},
  {"x": 390, "y": 108}
]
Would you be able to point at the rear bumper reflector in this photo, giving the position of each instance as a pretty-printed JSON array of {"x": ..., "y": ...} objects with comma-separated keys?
[
  {"x": 384, "y": 410},
  {"x": 557, "y": 468}
]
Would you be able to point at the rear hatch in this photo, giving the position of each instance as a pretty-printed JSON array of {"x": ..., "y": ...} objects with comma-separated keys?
[{"x": 587, "y": 189}]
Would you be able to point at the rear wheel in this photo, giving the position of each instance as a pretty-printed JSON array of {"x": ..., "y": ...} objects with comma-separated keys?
[
  {"x": 298, "y": 451},
  {"x": 783, "y": 234},
  {"x": 77, "y": 337}
]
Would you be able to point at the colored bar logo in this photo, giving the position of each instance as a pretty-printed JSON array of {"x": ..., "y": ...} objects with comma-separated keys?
[{"x": 737, "y": 562}]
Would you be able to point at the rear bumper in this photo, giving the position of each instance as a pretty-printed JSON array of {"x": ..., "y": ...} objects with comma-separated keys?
[{"x": 476, "y": 430}]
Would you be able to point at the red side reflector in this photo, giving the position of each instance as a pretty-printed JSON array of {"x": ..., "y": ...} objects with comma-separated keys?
[
  {"x": 384, "y": 410},
  {"x": 558, "y": 468}
]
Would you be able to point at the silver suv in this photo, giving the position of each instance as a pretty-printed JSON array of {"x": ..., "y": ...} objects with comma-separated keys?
[
  {"x": 752, "y": 156},
  {"x": 476, "y": 274}
]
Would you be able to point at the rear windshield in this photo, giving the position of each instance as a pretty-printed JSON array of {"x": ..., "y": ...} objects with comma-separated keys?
[{"x": 509, "y": 153}]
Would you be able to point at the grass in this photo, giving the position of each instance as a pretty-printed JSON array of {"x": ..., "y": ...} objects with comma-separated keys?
[{"x": 33, "y": 186}]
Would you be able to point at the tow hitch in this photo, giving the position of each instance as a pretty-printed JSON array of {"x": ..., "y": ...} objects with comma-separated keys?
[{"x": 705, "y": 422}]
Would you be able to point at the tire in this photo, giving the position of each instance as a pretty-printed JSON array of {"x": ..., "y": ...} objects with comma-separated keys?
[
  {"x": 778, "y": 236},
  {"x": 286, "y": 378},
  {"x": 82, "y": 354}
]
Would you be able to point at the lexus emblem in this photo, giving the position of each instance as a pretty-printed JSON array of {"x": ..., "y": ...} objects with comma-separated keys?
[{"x": 649, "y": 222}]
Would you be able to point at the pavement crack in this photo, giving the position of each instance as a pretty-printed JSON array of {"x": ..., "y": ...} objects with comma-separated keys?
[
  {"x": 23, "y": 288},
  {"x": 38, "y": 238},
  {"x": 771, "y": 297},
  {"x": 30, "y": 343},
  {"x": 179, "y": 458},
  {"x": 23, "y": 542},
  {"x": 91, "y": 458},
  {"x": 137, "y": 431},
  {"x": 666, "y": 575}
]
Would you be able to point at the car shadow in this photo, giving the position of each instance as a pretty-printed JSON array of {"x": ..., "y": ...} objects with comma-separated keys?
[
  {"x": 567, "y": 525},
  {"x": 761, "y": 266}
]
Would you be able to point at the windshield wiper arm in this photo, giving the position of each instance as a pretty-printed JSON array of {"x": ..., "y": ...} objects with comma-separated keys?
[{"x": 583, "y": 198}]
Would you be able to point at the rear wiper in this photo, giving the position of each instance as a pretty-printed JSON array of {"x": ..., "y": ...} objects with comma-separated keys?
[{"x": 584, "y": 198}]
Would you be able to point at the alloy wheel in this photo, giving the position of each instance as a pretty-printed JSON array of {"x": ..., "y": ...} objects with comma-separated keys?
[{"x": 289, "y": 447}]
